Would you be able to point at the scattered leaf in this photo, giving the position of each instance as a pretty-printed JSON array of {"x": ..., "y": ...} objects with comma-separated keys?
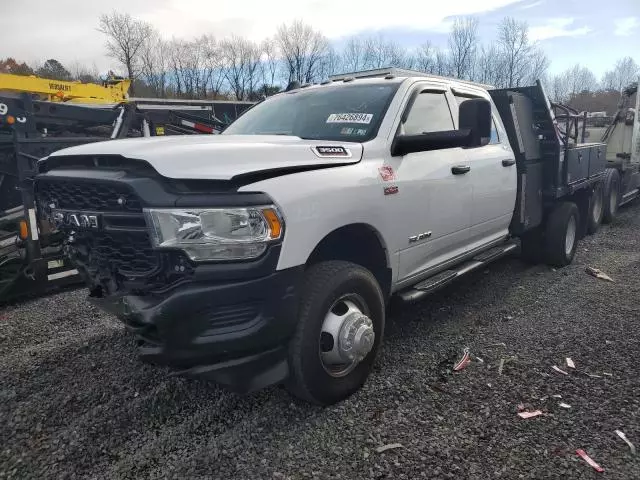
[
  {"x": 530, "y": 414},
  {"x": 582, "y": 454},
  {"x": 390, "y": 446},
  {"x": 594, "y": 272},
  {"x": 559, "y": 370},
  {"x": 626, "y": 440}
]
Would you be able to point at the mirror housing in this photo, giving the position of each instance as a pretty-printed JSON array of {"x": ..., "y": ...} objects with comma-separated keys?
[
  {"x": 475, "y": 115},
  {"x": 474, "y": 121}
]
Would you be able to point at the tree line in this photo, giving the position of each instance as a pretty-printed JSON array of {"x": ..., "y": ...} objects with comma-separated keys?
[{"x": 238, "y": 68}]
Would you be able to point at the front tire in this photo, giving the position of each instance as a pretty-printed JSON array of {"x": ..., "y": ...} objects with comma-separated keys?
[
  {"x": 341, "y": 314},
  {"x": 561, "y": 234}
]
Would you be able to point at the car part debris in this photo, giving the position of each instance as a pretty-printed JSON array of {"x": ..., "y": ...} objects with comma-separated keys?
[
  {"x": 594, "y": 272},
  {"x": 582, "y": 454},
  {"x": 390, "y": 446},
  {"x": 463, "y": 362},
  {"x": 607, "y": 374},
  {"x": 556, "y": 396},
  {"x": 632, "y": 447},
  {"x": 559, "y": 370},
  {"x": 570, "y": 363},
  {"x": 530, "y": 414},
  {"x": 564, "y": 405}
]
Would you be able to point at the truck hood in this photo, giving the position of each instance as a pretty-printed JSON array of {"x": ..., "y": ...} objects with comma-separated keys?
[{"x": 222, "y": 157}]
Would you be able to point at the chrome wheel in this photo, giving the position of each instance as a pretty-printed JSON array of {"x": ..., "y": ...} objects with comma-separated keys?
[
  {"x": 347, "y": 335},
  {"x": 570, "y": 237}
]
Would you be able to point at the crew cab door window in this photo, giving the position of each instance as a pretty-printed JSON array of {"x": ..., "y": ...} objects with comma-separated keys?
[
  {"x": 495, "y": 137},
  {"x": 430, "y": 112}
]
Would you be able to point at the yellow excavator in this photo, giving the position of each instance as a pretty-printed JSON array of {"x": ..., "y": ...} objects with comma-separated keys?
[{"x": 112, "y": 91}]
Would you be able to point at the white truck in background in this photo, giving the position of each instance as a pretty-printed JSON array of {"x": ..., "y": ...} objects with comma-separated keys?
[
  {"x": 622, "y": 136},
  {"x": 268, "y": 254}
]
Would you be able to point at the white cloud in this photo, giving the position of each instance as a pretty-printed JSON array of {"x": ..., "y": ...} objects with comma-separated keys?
[
  {"x": 557, "y": 27},
  {"x": 74, "y": 37},
  {"x": 626, "y": 26},
  {"x": 258, "y": 19},
  {"x": 531, "y": 5}
]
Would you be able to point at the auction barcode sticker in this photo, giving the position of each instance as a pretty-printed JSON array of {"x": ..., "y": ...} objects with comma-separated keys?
[{"x": 350, "y": 118}]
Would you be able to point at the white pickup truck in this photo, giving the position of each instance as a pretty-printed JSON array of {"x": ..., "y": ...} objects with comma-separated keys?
[{"x": 268, "y": 254}]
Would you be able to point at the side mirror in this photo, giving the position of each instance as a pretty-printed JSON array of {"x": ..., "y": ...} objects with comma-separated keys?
[
  {"x": 474, "y": 122},
  {"x": 475, "y": 115}
]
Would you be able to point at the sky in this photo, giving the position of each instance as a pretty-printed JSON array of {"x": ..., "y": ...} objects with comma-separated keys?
[{"x": 593, "y": 33}]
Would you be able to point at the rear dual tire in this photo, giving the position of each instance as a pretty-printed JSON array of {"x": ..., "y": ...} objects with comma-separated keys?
[
  {"x": 596, "y": 208},
  {"x": 611, "y": 195},
  {"x": 556, "y": 244}
]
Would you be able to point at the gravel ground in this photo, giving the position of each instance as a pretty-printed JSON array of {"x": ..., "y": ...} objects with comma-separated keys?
[{"x": 76, "y": 403}]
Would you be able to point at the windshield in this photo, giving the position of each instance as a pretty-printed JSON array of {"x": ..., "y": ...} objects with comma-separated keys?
[{"x": 348, "y": 113}]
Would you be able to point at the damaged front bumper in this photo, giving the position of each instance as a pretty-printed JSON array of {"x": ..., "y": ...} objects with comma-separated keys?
[{"x": 234, "y": 332}]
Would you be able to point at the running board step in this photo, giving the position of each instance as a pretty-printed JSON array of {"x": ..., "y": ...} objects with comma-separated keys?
[
  {"x": 627, "y": 197},
  {"x": 431, "y": 284}
]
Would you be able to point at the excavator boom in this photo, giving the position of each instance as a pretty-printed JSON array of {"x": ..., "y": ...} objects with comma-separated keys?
[{"x": 112, "y": 92}]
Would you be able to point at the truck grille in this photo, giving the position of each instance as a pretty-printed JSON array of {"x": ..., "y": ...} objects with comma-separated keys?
[
  {"x": 127, "y": 253},
  {"x": 99, "y": 197},
  {"x": 120, "y": 249}
]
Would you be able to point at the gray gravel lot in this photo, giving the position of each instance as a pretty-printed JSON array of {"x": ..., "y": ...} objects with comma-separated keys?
[{"x": 76, "y": 403}]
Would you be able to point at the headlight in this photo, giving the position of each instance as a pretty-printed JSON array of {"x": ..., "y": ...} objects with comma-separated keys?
[{"x": 215, "y": 233}]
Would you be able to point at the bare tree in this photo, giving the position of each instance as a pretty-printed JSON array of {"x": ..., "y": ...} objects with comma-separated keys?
[
  {"x": 330, "y": 64},
  {"x": 242, "y": 61},
  {"x": 463, "y": 44},
  {"x": 515, "y": 49},
  {"x": 125, "y": 39},
  {"x": 571, "y": 82},
  {"x": 354, "y": 55},
  {"x": 580, "y": 79},
  {"x": 154, "y": 58},
  {"x": 270, "y": 61},
  {"x": 625, "y": 71},
  {"x": 381, "y": 52},
  {"x": 83, "y": 73},
  {"x": 425, "y": 58},
  {"x": 538, "y": 65},
  {"x": 489, "y": 67},
  {"x": 443, "y": 65},
  {"x": 302, "y": 49}
]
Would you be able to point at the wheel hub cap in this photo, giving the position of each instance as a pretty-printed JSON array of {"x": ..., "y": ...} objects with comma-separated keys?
[
  {"x": 356, "y": 337},
  {"x": 346, "y": 338}
]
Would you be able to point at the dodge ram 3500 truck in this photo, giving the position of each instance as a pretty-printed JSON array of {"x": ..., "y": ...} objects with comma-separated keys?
[{"x": 268, "y": 254}]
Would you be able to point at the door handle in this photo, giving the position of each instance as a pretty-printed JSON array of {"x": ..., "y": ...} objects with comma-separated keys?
[
  {"x": 508, "y": 162},
  {"x": 460, "y": 169}
]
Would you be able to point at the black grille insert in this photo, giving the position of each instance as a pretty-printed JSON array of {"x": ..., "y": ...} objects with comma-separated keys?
[
  {"x": 101, "y": 197},
  {"x": 128, "y": 253}
]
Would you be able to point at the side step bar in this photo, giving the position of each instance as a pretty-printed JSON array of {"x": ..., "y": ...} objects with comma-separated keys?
[
  {"x": 431, "y": 284},
  {"x": 627, "y": 197}
]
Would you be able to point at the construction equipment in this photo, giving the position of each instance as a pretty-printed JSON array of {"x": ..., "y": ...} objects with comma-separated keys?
[
  {"x": 112, "y": 91},
  {"x": 31, "y": 129}
]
